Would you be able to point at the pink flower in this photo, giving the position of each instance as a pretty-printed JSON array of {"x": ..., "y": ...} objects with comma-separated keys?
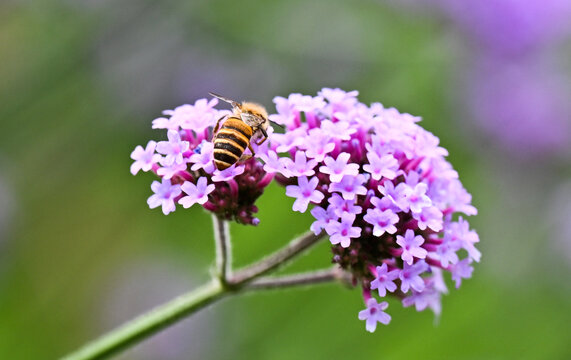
[
  {"x": 164, "y": 195},
  {"x": 173, "y": 149},
  {"x": 337, "y": 168},
  {"x": 144, "y": 158},
  {"x": 384, "y": 280},
  {"x": 382, "y": 221},
  {"x": 350, "y": 186},
  {"x": 342, "y": 232},
  {"x": 196, "y": 193},
  {"x": 374, "y": 313},
  {"x": 411, "y": 246},
  {"x": 304, "y": 193}
]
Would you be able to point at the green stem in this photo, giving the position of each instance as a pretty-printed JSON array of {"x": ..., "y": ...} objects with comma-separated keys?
[
  {"x": 275, "y": 260},
  {"x": 223, "y": 249},
  {"x": 150, "y": 323},
  {"x": 159, "y": 318},
  {"x": 303, "y": 279}
]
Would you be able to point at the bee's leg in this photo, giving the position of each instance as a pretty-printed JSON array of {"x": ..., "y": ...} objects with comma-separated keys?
[
  {"x": 245, "y": 157},
  {"x": 260, "y": 142},
  {"x": 218, "y": 124},
  {"x": 252, "y": 150}
]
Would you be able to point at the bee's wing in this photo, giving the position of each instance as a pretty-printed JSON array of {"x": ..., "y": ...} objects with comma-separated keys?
[{"x": 229, "y": 101}]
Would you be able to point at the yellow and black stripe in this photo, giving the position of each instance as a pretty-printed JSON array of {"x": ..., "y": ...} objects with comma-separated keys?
[{"x": 230, "y": 142}]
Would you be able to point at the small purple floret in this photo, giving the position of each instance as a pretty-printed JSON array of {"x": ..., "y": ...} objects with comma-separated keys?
[
  {"x": 196, "y": 194},
  {"x": 411, "y": 246},
  {"x": 144, "y": 158},
  {"x": 342, "y": 232},
  {"x": 304, "y": 193},
  {"x": 164, "y": 195},
  {"x": 384, "y": 280},
  {"x": 374, "y": 313},
  {"x": 337, "y": 168}
]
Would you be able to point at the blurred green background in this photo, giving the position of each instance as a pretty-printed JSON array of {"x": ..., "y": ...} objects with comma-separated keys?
[{"x": 80, "y": 252}]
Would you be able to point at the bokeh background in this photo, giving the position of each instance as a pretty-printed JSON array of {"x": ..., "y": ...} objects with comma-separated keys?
[{"x": 80, "y": 252}]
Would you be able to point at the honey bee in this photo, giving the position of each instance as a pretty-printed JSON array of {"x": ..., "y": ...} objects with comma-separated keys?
[{"x": 233, "y": 137}]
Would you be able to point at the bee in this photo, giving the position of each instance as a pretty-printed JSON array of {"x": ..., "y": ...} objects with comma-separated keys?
[{"x": 234, "y": 135}]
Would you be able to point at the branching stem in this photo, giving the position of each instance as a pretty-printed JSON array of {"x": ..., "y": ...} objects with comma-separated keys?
[
  {"x": 310, "y": 278},
  {"x": 223, "y": 285},
  {"x": 276, "y": 259}
]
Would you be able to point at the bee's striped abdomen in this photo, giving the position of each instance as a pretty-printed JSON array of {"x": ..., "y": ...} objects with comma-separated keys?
[{"x": 230, "y": 142}]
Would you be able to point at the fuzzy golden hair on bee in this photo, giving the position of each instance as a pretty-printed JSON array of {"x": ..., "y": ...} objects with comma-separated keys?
[
  {"x": 255, "y": 109},
  {"x": 251, "y": 113}
]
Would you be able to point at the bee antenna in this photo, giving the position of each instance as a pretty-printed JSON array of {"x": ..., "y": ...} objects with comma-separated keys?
[
  {"x": 225, "y": 99},
  {"x": 278, "y": 125}
]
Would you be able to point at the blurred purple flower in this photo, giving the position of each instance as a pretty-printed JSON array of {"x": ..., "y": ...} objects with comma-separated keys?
[
  {"x": 461, "y": 270},
  {"x": 520, "y": 99},
  {"x": 510, "y": 27},
  {"x": 514, "y": 84},
  {"x": 523, "y": 103}
]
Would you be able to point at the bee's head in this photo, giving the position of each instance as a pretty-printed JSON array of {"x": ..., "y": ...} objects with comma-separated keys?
[
  {"x": 254, "y": 115},
  {"x": 254, "y": 120}
]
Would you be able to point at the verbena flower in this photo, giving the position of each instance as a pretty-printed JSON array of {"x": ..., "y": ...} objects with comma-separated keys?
[
  {"x": 185, "y": 163},
  {"x": 382, "y": 190},
  {"x": 378, "y": 183}
]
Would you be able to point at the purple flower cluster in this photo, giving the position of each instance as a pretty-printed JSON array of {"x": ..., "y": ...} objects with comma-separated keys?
[
  {"x": 185, "y": 165},
  {"x": 379, "y": 184},
  {"x": 383, "y": 192}
]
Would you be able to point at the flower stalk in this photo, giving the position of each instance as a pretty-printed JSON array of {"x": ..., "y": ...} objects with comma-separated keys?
[
  {"x": 223, "y": 249},
  {"x": 150, "y": 323},
  {"x": 222, "y": 285},
  {"x": 275, "y": 260},
  {"x": 310, "y": 278}
]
